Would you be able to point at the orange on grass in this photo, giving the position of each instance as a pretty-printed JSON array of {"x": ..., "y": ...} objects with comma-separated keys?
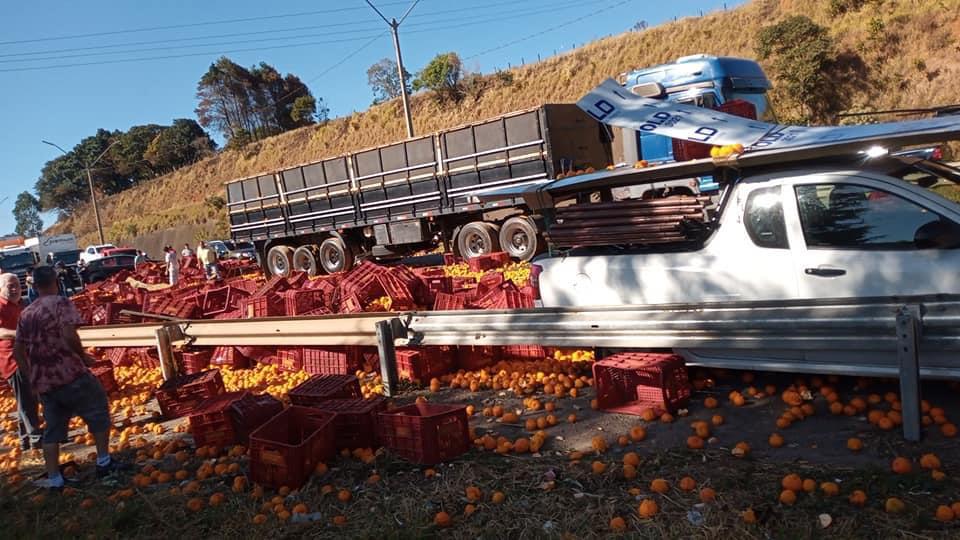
[
  {"x": 344, "y": 495},
  {"x": 195, "y": 504},
  {"x": 929, "y": 461},
  {"x": 473, "y": 493},
  {"x": 858, "y": 498},
  {"x": 442, "y": 519},
  {"x": 708, "y": 495},
  {"x": 748, "y": 516},
  {"x": 638, "y": 433},
  {"x": 648, "y": 509},
  {"x": 618, "y": 525},
  {"x": 792, "y": 482},
  {"x": 901, "y": 465},
  {"x": 631, "y": 458},
  {"x": 711, "y": 403},
  {"x": 598, "y": 467},
  {"x": 830, "y": 489},
  {"x": 775, "y": 440},
  {"x": 788, "y": 497},
  {"x": 687, "y": 483},
  {"x": 694, "y": 442},
  {"x": 944, "y": 513},
  {"x": 893, "y": 505},
  {"x": 498, "y": 497},
  {"x": 629, "y": 472},
  {"x": 659, "y": 485}
]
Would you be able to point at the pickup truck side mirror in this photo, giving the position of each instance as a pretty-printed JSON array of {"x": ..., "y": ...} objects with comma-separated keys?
[{"x": 940, "y": 234}]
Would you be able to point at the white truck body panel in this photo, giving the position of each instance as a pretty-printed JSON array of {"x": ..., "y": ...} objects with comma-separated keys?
[
  {"x": 731, "y": 266},
  {"x": 45, "y": 245}
]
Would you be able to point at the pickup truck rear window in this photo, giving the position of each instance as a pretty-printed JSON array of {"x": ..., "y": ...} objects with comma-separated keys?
[
  {"x": 764, "y": 218},
  {"x": 848, "y": 216}
]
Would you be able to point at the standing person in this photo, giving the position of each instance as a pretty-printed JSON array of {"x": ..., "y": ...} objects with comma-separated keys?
[
  {"x": 26, "y": 402},
  {"x": 31, "y": 290},
  {"x": 208, "y": 258},
  {"x": 141, "y": 258},
  {"x": 186, "y": 252},
  {"x": 173, "y": 265},
  {"x": 49, "y": 349}
]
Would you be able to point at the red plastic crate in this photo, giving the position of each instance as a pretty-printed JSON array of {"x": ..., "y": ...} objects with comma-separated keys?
[
  {"x": 210, "y": 423},
  {"x": 489, "y": 282},
  {"x": 268, "y": 305},
  {"x": 296, "y": 279},
  {"x": 329, "y": 361},
  {"x": 103, "y": 371},
  {"x": 299, "y": 302},
  {"x": 118, "y": 356},
  {"x": 251, "y": 412},
  {"x": 182, "y": 309},
  {"x": 323, "y": 387},
  {"x": 449, "y": 302},
  {"x": 222, "y": 300},
  {"x": 275, "y": 285},
  {"x": 109, "y": 313},
  {"x": 399, "y": 294},
  {"x": 472, "y": 358},
  {"x": 488, "y": 262},
  {"x": 229, "y": 356},
  {"x": 287, "y": 448},
  {"x": 290, "y": 359},
  {"x": 195, "y": 361},
  {"x": 426, "y": 433},
  {"x": 356, "y": 422},
  {"x": 180, "y": 396},
  {"x": 631, "y": 382},
  {"x": 421, "y": 365},
  {"x": 450, "y": 259},
  {"x": 523, "y": 352},
  {"x": 146, "y": 357},
  {"x": 351, "y": 303}
]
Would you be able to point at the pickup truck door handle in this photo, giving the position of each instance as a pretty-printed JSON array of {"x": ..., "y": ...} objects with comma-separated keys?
[{"x": 824, "y": 272}]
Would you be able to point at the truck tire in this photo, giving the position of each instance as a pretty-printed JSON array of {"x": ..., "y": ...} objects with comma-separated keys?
[
  {"x": 280, "y": 261},
  {"x": 519, "y": 238},
  {"x": 335, "y": 256},
  {"x": 477, "y": 238},
  {"x": 307, "y": 259}
]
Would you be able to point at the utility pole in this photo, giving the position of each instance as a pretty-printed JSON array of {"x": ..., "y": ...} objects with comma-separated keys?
[
  {"x": 93, "y": 195},
  {"x": 394, "y": 26}
]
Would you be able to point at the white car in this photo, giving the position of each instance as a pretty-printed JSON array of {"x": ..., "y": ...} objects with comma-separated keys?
[
  {"x": 92, "y": 253},
  {"x": 785, "y": 235}
]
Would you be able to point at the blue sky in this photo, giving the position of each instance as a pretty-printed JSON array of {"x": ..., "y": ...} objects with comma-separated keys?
[{"x": 116, "y": 91}]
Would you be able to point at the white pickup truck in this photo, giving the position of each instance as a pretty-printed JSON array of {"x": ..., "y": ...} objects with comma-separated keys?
[{"x": 791, "y": 234}]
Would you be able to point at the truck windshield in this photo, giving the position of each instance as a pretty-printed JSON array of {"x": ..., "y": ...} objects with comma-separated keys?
[
  {"x": 67, "y": 257},
  {"x": 760, "y": 101},
  {"x": 16, "y": 261}
]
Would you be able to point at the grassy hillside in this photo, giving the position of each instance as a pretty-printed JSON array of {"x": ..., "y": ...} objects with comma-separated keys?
[{"x": 911, "y": 50}]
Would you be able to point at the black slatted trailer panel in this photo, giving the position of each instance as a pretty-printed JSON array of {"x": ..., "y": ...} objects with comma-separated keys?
[
  {"x": 399, "y": 180},
  {"x": 318, "y": 196},
  {"x": 254, "y": 208}
]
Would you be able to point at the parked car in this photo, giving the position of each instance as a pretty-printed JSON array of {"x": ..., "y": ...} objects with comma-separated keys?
[
  {"x": 228, "y": 249},
  {"x": 92, "y": 253},
  {"x": 107, "y": 252},
  {"x": 104, "y": 267}
]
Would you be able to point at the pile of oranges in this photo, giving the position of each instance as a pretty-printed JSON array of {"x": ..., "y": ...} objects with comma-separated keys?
[{"x": 552, "y": 377}]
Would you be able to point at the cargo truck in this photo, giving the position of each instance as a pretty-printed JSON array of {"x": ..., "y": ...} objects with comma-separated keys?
[{"x": 415, "y": 195}]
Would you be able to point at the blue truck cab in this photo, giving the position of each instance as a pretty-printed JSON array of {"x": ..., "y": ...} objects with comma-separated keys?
[{"x": 701, "y": 80}]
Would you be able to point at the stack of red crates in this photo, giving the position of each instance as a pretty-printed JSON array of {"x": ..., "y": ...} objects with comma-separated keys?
[
  {"x": 426, "y": 433},
  {"x": 323, "y": 387},
  {"x": 195, "y": 361},
  {"x": 488, "y": 262},
  {"x": 329, "y": 361},
  {"x": 287, "y": 448},
  {"x": 210, "y": 423},
  {"x": 103, "y": 371},
  {"x": 109, "y": 313},
  {"x": 302, "y": 301},
  {"x": 631, "y": 382},
  {"x": 229, "y": 356},
  {"x": 356, "y": 421},
  {"x": 449, "y": 302},
  {"x": 266, "y": 305},
  {"x": 180, "y": 396},
  {"x": 421, "y": 365}
]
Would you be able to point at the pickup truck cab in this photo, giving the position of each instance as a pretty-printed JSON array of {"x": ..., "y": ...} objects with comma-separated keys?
[
  {"x": 789, "y": 234},
  {"x": 92, "y": 253}
]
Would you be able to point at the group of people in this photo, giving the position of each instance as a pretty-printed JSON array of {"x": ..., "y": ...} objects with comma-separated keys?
[
  {"x": 43, "y": 360},
  {"x": 206, "y": 255}
]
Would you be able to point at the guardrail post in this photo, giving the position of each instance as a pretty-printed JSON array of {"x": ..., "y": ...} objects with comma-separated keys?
[
  {"x": 388, "y": 357},
  {"x": 168, "y": 367},
  {"x": 908, "y": 353}
]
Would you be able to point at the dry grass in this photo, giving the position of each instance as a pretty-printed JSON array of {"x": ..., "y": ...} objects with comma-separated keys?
[{"x": 914, "y": 31}]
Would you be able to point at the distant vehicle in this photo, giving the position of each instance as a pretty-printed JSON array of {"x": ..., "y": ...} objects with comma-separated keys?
[
  {"x": 94, "y": 252},
  {"x": 44, "y": 246},
  {"x": 70, "y": 259},
  {"x": 108, "y": 252},
  {"x": 104, "y": 267},
  {"x": 18, "y": 260},
  {"x": 228, "y": 249}
]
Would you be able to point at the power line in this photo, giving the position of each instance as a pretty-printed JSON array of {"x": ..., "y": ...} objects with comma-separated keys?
[
  {"x": 551, "y": 9},
  {"x": 251, "y": 33},
  {"x": 191, "y": 25}
]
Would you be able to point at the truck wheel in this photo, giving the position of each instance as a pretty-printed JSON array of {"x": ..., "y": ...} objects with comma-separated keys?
[
  {"x": 477, "y": 238},
  {"x": 280, "y": 260},
  {"x": 306, "y": 259},
  {"x": 519, "y": 238},
  {"x": 335, "y": 256}
]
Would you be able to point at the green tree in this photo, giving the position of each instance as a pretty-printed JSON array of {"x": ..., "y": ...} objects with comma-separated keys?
[
  {"x": 182, "y": 143},
  {"x": 803, "y": 56},
  {"x": 442, "y": 75},
  {"x": 27, "y": 213},
  {"x": 304, "y": 110},
  {"x": 384, "y": 79}
]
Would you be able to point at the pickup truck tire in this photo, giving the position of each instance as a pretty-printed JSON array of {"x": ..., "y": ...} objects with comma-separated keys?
[
  {"x": 335, "y": 256},
  {"x": 280, "y": 261},
  {"x": 519, "y": 238},
  {"x": 477, "y": 238},
  {"x": 307, "y": 259}
]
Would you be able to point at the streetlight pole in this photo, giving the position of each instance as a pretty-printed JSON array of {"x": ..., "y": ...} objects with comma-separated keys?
[
  {"x": 93, "y": 195},
  {"x": 394, "y": 26}
]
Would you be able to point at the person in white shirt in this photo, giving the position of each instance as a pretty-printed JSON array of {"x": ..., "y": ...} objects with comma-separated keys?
[
  {"x": 186, "y": 252},
  {"x": 173, "y": 264}
]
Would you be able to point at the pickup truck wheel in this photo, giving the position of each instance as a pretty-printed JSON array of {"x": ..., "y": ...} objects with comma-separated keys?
[
  {"x": 519, "y": 238},
  {"x": 476, "y": 239},
  {"x": 280, "y": 260},
  {"x": 307, "y": 259},
  {"x": 335, "y": 256}
]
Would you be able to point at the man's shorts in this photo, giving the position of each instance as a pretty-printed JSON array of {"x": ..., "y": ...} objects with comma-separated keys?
[{"x": 85, "y": 398}]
